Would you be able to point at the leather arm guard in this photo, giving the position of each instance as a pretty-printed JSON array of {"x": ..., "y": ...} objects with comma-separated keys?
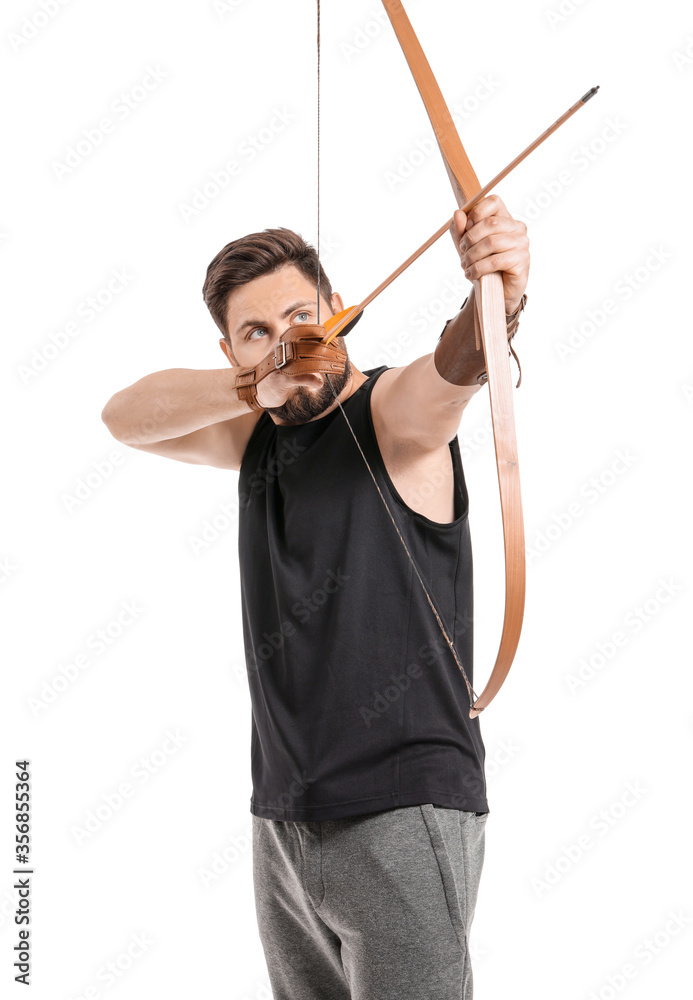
[
  {"x": 459, "y": 363},
  {"x": 300, "y": 350}
]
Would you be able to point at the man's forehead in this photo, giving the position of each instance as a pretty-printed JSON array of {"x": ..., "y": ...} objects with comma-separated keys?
[
  {"x": 268, "y": 293},
  {"x": 273, "y": 295}
]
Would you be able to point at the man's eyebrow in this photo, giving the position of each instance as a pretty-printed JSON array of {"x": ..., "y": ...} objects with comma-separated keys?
[{"x": 287, "y": 312}]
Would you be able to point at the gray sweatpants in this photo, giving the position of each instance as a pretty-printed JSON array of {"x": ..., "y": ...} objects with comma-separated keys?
[{"x": 373, "y": 907}]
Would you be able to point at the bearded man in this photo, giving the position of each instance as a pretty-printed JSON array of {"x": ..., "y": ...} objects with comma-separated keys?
[{"x": 369, "y": 796}]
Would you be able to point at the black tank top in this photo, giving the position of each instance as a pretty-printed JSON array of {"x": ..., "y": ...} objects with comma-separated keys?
[{"x": 357, "y": 703}]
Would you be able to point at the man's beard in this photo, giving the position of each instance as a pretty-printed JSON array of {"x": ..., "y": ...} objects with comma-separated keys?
[{"x": 304, "y": 404}]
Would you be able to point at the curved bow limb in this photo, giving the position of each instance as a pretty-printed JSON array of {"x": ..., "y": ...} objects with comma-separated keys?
[{"x": 490, "y": 304}]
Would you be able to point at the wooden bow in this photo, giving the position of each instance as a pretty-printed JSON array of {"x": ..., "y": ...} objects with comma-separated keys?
[
  {"x": 490, "y": 305},
  {"x": 490, "y": 308}
]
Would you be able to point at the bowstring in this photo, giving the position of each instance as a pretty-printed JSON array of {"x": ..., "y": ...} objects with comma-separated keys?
[{"x": 470, "y": 690}]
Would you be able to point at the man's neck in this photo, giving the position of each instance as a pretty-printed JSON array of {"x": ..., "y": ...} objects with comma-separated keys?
[{"x": 356, "y": 379}]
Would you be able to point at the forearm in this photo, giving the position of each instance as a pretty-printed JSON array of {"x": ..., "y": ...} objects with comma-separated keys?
[
  {"x": 173, "y": 402},
  {"x": 456, "y": 358}
]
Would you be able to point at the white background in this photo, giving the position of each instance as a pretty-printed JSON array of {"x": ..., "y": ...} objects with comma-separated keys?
[{"x": 608, "y": 207}]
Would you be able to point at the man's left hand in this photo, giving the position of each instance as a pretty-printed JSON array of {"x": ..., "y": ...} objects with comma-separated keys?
[{"x": 489, "y": 239}]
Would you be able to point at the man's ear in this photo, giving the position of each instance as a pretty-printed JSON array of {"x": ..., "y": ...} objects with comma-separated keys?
[
  {"x": 336, "y": 303},
  {"x": 226, "y": 348}
]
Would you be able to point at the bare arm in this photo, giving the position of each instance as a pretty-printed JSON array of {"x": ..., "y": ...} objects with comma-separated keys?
[
  {"x": 183, "y": 413},
  {"x": 417, "y": 406},
  {"x": 194, "y": 415}
]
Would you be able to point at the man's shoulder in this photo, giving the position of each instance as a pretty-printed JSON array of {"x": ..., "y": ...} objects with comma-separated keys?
[
  {"x": 369, "y": 377},
  {"x": 380, "y": 380}
]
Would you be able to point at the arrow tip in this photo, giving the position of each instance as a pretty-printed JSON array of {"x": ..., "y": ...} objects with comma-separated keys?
[{"x": 590, "y": 93}]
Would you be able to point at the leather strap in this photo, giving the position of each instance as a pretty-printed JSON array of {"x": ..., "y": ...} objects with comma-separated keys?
[
  {"x": 300, "y": 350},
  {"x": 458, "y": 364}
]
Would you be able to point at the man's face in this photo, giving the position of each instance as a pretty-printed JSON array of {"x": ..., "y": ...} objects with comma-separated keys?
[{"x": 259, "y": 312}]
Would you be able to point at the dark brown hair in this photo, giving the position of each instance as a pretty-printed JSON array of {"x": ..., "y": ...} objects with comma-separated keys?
[{"x": 253, "y": 256}]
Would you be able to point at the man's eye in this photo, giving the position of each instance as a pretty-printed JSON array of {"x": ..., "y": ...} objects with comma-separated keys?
[
  {"x": 258, "y": 329},
  {"x": 298, "y": 316}
]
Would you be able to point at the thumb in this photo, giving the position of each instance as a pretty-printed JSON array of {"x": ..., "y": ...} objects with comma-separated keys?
[{"x": 307, "y": 378}]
